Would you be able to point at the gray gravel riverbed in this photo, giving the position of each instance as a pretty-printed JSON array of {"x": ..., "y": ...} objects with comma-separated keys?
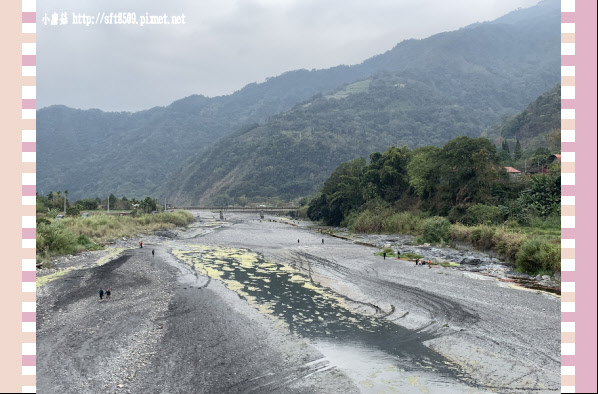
[{"x": 241, "y": 306}]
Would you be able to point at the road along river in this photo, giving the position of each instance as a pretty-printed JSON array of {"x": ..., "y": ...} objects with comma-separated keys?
[{"x": 244, "y": 305}]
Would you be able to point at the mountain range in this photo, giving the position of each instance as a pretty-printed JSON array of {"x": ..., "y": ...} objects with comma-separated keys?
[{"x": 283, "y": 137}]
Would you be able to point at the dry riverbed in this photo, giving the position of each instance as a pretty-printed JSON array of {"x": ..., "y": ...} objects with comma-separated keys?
[{"x": 244, "y": 305}]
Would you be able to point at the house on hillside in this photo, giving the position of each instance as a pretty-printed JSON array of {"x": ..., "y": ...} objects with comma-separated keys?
[
  {"x": 542, "y": 168},
  {"x": 513, "y": 172},
  {"x": 552, "y": 158},
  {"x": 537, "y": 169}
]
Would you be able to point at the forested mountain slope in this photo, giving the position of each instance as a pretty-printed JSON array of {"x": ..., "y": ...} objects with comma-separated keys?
[
  {"x": 467, "y": 79},
  {"x": 451, "y": 84}
]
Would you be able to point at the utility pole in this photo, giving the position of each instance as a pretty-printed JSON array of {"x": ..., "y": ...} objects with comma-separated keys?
[
  {"x": 108, "y": 204},
  {"x": 65, "y": 205}
]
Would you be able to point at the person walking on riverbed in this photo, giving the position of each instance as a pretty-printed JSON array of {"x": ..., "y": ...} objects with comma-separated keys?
[
  {"x": 152, "y": 252},
  {"x": 430, "y": 264},
  {"x": 108, "y": 294},
  {"x": 101, "y": 293}
]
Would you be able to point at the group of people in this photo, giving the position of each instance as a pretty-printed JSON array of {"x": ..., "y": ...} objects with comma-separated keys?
[
  {"x": 423, "y": 262},
  {"x": 103, "y": 293}
]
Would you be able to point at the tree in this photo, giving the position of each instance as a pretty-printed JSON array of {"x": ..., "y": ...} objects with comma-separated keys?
[
  {"x": 505, "y": 147},
  {"x": 554, "y": 139},
  {"x": 544, "y": 194},
  {"x": 341, "y": 193},
  {"x": 424, "y": 171},
  {"x": 504, "y": 158},
  {"x": 517, "y": 152},
  {"x": 469, "y": 169},
  {"x": 66, "y": 194}
]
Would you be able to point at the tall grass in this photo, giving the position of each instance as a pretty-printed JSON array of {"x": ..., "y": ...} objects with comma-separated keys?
[
  {"x": 533, "y": 248},
  {"x": 536, "y": 256},
  {"x": 75, "y": 234},
  {"x": 103, "y": 228},
  {"x": 386, "y": 221}
]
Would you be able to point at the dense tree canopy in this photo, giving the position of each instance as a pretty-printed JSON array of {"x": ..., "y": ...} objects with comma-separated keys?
[{"x": 462, "y": 180}]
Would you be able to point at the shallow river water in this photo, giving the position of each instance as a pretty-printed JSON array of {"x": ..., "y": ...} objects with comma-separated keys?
[{"x": 379, "y": 355}]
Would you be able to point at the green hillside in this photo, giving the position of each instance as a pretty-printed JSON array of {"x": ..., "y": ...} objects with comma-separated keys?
[
  {"x": 433, "y": 90},
  {"x": 454, "y": 83}
]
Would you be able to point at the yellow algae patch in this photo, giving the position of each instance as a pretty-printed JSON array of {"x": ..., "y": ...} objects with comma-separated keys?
[
  {"x": 234, "y": 285},
  {"x": 264, "y": 308},
  {"x": 413, "y": 380},
  {"x": 367, "y": 383},
  {"x": 222, "y": 263},
  {"x": 297, "y": 278},
  {"x": 109, "y": 257},
  {"x": 42, "y": 280},
  {"x": 212, "y": 273},
  {"x": 424, "y": 389},
  {"x": 310, "y": 286}
]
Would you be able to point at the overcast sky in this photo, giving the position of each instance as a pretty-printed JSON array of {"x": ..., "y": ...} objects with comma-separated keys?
[{"x": 225, "y": 44}]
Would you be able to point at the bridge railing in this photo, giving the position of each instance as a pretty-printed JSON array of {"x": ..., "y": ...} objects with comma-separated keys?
[{"x": 251, "y": 209}]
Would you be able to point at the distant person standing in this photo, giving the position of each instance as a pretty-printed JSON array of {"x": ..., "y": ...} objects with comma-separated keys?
[
  {"x": 398, "y": 254},
  {"x": 152, "y": 252},
  {"x": 141, "y": 244},
  {"x": 322, "y": 241},
  {"x": 384, "y": 255},
  {"x": 429, "y": 263},
  {"x": 297, "y": 242},
  {"x": 108, "y": 294},
  {"x": 101, "y": 293}
]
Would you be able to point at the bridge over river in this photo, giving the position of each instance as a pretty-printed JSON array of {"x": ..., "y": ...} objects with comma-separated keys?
[{"x": 243, "y": 209}]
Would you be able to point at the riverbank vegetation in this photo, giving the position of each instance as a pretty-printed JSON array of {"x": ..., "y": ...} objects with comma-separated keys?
[
  {"x": 75, "y": 233},
  {"x": 460, "y": 193}
]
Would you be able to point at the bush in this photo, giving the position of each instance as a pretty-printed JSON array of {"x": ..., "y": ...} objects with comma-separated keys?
[
  {"x": 55, "y": 239},
  {"x": 482, "y": 237},
  {"x": 484, "y": 214},
  {"x": 83, "y": 240},
  {"x": 458, "y": 214},
  {"x": 72, "y": 211},
  {"x": 536, "y": 256},
  {"x": 460, "y": 233},
  {"x": 403, "y": 223},
  {"x": 508, "y": 244},
  {"x": 436, "y": 230},
  {"x": 385, "y": 220},
  {"x": 368, "y": 221}
]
